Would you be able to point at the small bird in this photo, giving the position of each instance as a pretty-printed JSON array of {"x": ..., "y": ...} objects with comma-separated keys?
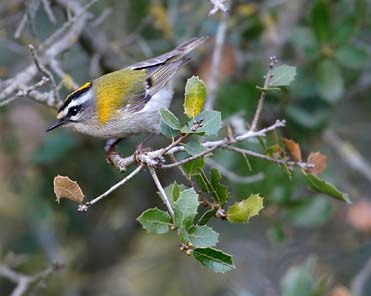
[{"x": 125, "y": 102}]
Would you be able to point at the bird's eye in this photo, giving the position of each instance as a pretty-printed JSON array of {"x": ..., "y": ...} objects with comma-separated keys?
[{"x": 74, "y": 110}]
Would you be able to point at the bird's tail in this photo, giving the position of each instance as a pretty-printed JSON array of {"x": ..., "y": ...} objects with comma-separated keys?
[{"x": 172, "y": 56}]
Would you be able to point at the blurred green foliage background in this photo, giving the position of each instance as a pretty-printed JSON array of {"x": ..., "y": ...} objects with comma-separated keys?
[{"x": 302, "y": 243}]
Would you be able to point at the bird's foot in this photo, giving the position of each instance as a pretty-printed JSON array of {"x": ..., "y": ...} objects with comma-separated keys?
[{"x": 111, "y": 151}]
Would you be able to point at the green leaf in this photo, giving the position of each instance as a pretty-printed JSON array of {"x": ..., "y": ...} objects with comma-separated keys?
[
  {"x": 210, "y": 123},
  {"x": 319, "y": 185},
  {"x": 155, "y": 221},
  {"x": 214, "y": 260},
  {"x": 351, "y": 57},
  {"x": 320, "y": 16},
  {"x": 241, "y": 212},
  {"x": 305, "y": 42},
  {"x": 185, "y": 208},
  {"x": 172, "y": 191},
  {"x": 193, "y": 148},
  {"x": 206, "y": 216},
  {"x": 195, "y": 94},
  {"x": 282, "y": 75},
  {"x": 170, "y": 119},
  {"x": 193, "y": 167},
  {"x": 167, "y": 131},
  {"x": 199, "y": 236},
  {"x": 201, "y": 182},
  {"x": 220, "y": 189},
  {"x": 313, "y": 211},
  {"x": 345, "y": 30},
  {"x": 299, "y": 280},
  {"x": 330, "y": 83}
]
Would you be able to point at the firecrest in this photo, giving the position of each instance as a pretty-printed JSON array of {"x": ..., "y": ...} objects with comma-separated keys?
[{"x": 125, "y": 102}]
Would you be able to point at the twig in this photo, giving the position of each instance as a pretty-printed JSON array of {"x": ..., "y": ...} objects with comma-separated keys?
[
  {"x": 212, "y": 83},
  {"x": 182, "y": 172},
  {"x": 162, "y": 192},
  {"x": 348, "y": 153},
  {"x": 259, "y": 109},
  {"x": 222, "y": 5},
  {"x": 361, "y": 279},
  {"x": 49, "y": 11},
  {"x": 231, "y": 176},
  {"x": 23, "y": 282},
  {"x": 85, "y": 207},
  {"x": 290, "y": 163}
]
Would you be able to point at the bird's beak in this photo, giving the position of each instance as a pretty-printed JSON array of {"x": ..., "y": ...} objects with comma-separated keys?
[{"x": 59, "y": 122}]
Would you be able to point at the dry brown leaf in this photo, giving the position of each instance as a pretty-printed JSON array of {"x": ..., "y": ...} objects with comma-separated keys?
[
  {"x": 359, "y": 216},
  {"x": 340, "y": 291},
  {"x": 64, "y": 187},
  {"x": 319, "y": 160},
  {"x": 293, "y": 148}
]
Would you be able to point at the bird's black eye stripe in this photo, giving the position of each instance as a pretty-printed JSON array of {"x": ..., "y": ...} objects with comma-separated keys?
[{"x": 75, "y": 94}]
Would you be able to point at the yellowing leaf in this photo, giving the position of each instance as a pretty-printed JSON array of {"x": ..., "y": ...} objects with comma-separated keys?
[
  {"x": 241, "y": 212},
  {"x": 195, "y": 94},
  {"x": 293, "y": 148},
  {"x": 64, "y": 187},
  {"x": 319, "y": 160}
]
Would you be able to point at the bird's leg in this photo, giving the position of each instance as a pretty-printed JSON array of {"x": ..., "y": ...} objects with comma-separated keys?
[
  {"x": 139, "y": 150},
  {"x": 110, "y": 148}
]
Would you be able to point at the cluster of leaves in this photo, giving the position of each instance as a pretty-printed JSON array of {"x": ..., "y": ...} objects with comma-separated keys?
[{"x": 191, "y": 212}]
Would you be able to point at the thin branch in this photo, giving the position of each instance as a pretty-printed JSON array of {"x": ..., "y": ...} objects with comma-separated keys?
[
  {"x": 348, "y": 154},
  {"x": 85, "y": 207},
  {"x": 231, "y": 176},
  {"x": 289, "y": 163},
  {"x": 24, "y": 282},
  {"x": 259, "y": 109},
  {"x": 162, "y": 192},
  {"x": 212, "y": 83}
]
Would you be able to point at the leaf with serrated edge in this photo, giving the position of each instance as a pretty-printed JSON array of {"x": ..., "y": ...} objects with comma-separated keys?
[
  {"x": 64, "y": 187},
  {"x": 282, "y": 75},
  {"x": 241, "y": 212},
  {"x": 185, "y": 208},
  {"x": 170, "y": 119},
  {"x": 172, "y": 191},
  {"x": 293, "y": 148},
  {"x": 195, "y": 94},
  {"x": 211, "y": 123},
  {"x": 214, "y": 260},
  {"x": 155, "y": 221},
  {"x": 319, "y": 185}
]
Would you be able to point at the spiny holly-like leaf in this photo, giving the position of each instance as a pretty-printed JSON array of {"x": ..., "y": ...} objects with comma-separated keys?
[
  {"x": 241, "y": 212},
  {"x": 293, "y": 148},
  {"x": 319, "y": 160},
  {"x": 64, "y": 187},
  {"x": 199, "y": 236},
  {"x": 282, "y": 75},
  {"x": 220, "y": 189},
  {"x": 172, "y": 191},
  {"x": 195, "y": 94},
  {"x": 167, "y": 131},
  {"x": 193, "y": 148},
  {"x": 319, "y": 185},
  {"x": 185, "y": 208},
  {"x": 155, "y": 221},
  {"x": 193, "y": 167},
  {"x": 170, "y": 119},
  {"x": 214, "y": 260}
]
